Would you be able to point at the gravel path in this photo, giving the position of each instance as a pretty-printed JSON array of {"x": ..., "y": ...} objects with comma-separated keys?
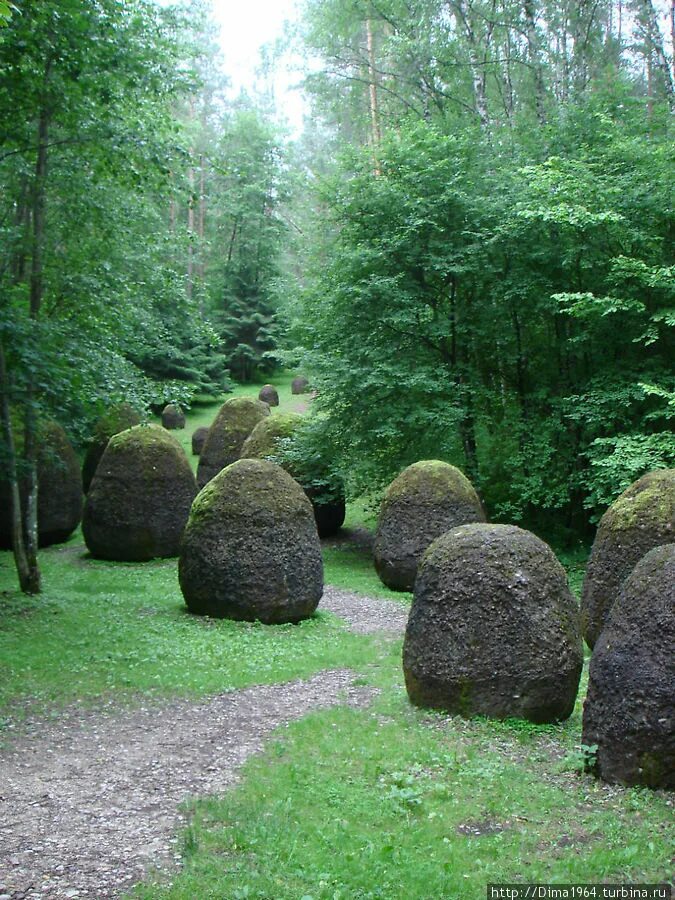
[
  {"x": 365, "y": 615},
  {"x": 89, "y": 801}
]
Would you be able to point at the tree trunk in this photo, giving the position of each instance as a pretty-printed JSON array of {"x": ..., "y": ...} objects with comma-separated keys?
[
  {"x": 534, "y": 53},
  {"x": 477, "y": 71},
  {"x": 36, "y": 290},
  {"x": 654, "y": 51},
  {"x": 372, "y": 90}
]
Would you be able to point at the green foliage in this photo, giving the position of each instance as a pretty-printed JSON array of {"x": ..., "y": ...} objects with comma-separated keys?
[{"x": 504, "y": 317}]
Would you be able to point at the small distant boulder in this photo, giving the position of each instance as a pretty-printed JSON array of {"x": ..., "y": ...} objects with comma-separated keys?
[
  {"x": 118, "y": 418},
  {"x": 642, "y": 518},
  {"x": 59, "y": 489},
  {"x": 140, "y": 497},
  {"x": 493, "y": 628},
  {"x": 299, "y": 385},
  {"x": 251, "y": 550},
  {"x": 269, "y": 395},
  {"x": 173, "y": 417},
  {"x": 327, "y": 494},
  {"x": 427, "y": 499},
  {"x": 234, "y": 423},
  {"x": 629, "y": 714},
  {"x": 199, "y": 439}
]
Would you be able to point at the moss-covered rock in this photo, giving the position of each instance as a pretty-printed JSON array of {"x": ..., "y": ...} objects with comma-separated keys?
[
  {"x": 427, "y": 499},
  {"x": 299, "y": 385},
  {"x": 327, "y": 497},
  {"x": 269, "y": 395},
  {"x": 199, "y": 436},
  {"x": 59, "y": 489},
  {"x": 235, "y": 421},
  {"x": 140, "y": 497},
  {"x": 173, "y": 417},
  {"x": 493, "y": 628},
  {"x": 265, "y": 438},
  {"x": 629, "y": 714},
  {"x": 118, "y": 418},
  {"x": 643, "y": 517},
  {"x": 251, "y": 549}
]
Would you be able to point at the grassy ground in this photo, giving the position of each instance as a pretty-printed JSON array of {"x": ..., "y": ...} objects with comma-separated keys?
[{"x": 389, "y": 802}]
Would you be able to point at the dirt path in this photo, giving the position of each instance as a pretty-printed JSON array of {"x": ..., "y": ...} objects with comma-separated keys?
[{"x": 89, "y": 801}]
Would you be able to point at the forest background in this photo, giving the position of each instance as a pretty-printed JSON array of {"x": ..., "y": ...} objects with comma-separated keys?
[{"x": 469, "y": 249}]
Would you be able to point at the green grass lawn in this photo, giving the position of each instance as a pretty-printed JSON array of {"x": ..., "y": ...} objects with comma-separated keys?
[{"x": 388, "y": 802}]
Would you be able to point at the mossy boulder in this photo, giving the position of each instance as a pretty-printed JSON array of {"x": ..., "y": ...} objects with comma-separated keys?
[
  {"x": 251, "y": 550},
  {"x": 59, "y": 489},
  {"x": 199, "y": 436},
  {"x": 642, "y": 518},
  {"x": 493, "y": 629},
  {"x": 629, "y": 714},
  {"x": 427, "y": 499},
  {"x": 269, "y": 395},
  {"x": 140, "y": 497},
  {"x": 299, "y": 385},
  {"x": 235, "y": 421},
  {"x": 327, "y": 497},
  {"x": 118, "y": 418},
  {"x": 173, "y": 417},
  {"x": 265, "y": 438}
]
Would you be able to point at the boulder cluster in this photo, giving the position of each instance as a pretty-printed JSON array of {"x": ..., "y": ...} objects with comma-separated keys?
[
  {"x": 325, "y": 490},
  {"x": 628, "y": 617},
  {"x": 494, "y": 630},
  {"x": 235, "y": 421}
]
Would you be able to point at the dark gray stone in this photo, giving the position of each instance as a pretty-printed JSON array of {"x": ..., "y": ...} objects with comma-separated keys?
[
  {"x": 140, "y": 497},
  {"x": 251, "y": 550},
  {"x": 493, "y": 628},
  {"x": 630, "y": 707},
  {"x": 642, "y": 518},
  {"x": 427, "y": 499}
]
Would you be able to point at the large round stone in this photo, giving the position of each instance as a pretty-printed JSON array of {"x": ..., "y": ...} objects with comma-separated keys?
[
  {"x": 493, "y": 628},
  {"x": 235, "y": 421},
  {"x": 199, "y": 436},
  {"x": 299, "y": 385},
  {"x": 59, "y": 489},
  {"x": 268, "y": 434},
  {"x": 426, "y": 500},
  {"x": 269, "y": 395},
  {"x": 173, "y": 417},
  {"x": 643, "y": 517},
  {"x": 325, "y": 491},
  {"x": 251, "y": 550},
  {"x": 118, "y": 418},
  {"x": 629, "y": 714},
  {"x": 140, "y": 497}
]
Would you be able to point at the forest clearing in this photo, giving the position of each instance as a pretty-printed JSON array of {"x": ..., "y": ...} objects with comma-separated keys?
[{"x": 337, "y": 464}]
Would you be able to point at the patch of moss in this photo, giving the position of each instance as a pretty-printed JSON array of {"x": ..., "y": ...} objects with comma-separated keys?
[
  {"x": 650, "y": 499},
  {"x": 265, "y": 437},
  {"x": 434, "y": 479}
]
